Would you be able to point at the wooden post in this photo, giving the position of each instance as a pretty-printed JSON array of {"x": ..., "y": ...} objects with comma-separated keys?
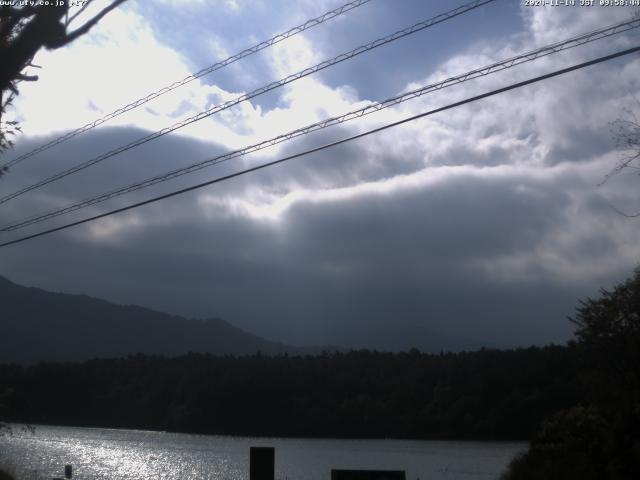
[
  {"x": 341, "y": 474},
  {"x": 262, "y": 463}
]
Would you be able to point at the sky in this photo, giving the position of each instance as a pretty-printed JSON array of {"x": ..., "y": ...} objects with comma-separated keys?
[{"x": 481, "y": 225}]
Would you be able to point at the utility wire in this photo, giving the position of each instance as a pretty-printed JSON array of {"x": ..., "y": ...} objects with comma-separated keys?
[
  {"x": 271, "y": 86},
  {"x": 205, "y": 71},
  {"x": 354, "y": 114},
  {"x": 329, "y": 145}
]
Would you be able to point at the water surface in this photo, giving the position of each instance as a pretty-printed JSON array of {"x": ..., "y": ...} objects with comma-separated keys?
[{"x": 98, "y": 454}]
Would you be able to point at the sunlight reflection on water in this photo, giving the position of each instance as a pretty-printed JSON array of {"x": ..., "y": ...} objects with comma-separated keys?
[{"x": 98, "y": 454}]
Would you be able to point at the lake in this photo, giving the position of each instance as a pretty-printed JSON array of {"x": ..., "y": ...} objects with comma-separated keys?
[{"x": 140, "y": 455}]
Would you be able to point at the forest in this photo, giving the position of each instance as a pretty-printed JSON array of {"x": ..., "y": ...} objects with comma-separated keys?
[{"x": 487, "y": 394}]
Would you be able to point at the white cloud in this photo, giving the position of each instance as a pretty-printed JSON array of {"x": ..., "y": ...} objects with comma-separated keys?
[
  {"x": 530, "y": 128},
  {"x": 117, "y": 62},
  {"x": 517, "y": 135},
  {"x": 292, "y": 55}
]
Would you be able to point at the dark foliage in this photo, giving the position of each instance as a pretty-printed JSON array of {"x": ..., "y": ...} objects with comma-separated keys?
[
  {"x": 8, "y": 130},
  {"x": 600, "y": 440},
  {"x": 626, "y": 133},
  {"x": 24, "y": 30},
  {"x": 487, "y": 394}
]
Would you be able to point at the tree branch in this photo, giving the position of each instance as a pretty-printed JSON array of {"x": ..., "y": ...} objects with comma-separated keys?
[
  {"x": 27, "y": 78},
  {"x": 87, "y": 26},
  {"x": 82, "y": 9}
]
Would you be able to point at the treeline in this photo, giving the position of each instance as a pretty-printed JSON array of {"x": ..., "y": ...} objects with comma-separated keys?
[{"x": 488, "y": 394}]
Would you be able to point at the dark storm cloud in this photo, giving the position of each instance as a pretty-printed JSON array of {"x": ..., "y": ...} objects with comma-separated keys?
[
  {"x": 483, "y": 225},
  {"x": 118, "y": 171},
  {"x": 377, "y": 269}
]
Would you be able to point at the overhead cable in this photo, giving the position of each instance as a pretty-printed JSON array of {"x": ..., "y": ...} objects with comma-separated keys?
[
  {"x": 354, "y": 114},
  {"x": 205, "y": 71},
  {"x": 329, "y": 145},
  {"x": 247, "y": 96}
]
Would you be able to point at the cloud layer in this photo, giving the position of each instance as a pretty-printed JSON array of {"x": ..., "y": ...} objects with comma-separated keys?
[{"x": 483, "y": 222}]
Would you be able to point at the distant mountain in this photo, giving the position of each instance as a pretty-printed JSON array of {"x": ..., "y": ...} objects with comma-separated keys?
[{"x": 36, "y": 325}]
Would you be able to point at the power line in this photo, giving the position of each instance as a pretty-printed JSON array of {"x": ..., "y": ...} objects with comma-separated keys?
[
  {"x": 358, "y": 113},
  {"x": 271, "y": 86},
  {"x": 205, "y": 71},
  {"x": 329, "y": 145}
]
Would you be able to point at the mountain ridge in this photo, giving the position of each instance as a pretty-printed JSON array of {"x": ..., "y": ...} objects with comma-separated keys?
[{"x": 38, "y": 325}]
